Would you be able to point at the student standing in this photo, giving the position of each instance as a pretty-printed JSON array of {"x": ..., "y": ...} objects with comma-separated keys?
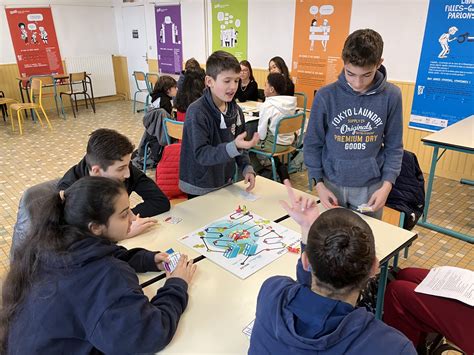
[
  {"x": 353, "y": 145},
  {"x": 214, "y": 133}
]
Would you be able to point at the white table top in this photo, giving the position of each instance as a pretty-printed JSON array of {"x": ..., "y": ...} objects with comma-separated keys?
[
  {"x": 203, "y": 210},
  {"x": 460, "y": 135},
  {"x": 221, "y": 305}
]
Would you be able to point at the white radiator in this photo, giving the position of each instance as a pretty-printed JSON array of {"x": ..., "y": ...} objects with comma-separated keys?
[{"x": 101, "y": 71}]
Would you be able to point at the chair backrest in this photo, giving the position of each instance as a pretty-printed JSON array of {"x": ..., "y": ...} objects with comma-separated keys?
[
  {"x": 290, "y": 124},
  {"x": 77, "y": 77},
  {"x": 151, "y": 80},
  {"x": 139, "y": 76},
  {"x": 36, "y": 89},
  {"x": 302, "y": 101},
  {"x": 173, "y": 129}
]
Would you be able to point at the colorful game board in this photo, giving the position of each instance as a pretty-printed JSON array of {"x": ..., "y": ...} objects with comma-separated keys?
[{"x": 242, "y": 242}]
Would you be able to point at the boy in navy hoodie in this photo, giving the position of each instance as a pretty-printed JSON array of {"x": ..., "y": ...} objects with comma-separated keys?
[
  {"x": 292, "y": 318},
  {"x": 214, "y": 132},
  {"x": 353, "y": 146}
]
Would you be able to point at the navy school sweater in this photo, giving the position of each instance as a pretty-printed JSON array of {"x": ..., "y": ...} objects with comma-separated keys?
[
  {"x": 355, "y": 139},
  {"x": 90, "y": 302},
  {"x": 208, "y": 152},
  {"x": 291, "y": 319}
]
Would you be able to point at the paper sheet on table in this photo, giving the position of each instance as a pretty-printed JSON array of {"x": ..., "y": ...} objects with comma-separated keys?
[{"x": 450, "y": 282}]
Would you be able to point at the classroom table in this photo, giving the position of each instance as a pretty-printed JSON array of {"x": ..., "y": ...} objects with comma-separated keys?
[
  {"x": 460, "y": 138},
  {"x": 212, "y": 294},
  {"x": 199, "y": 211},
  {"x": 221, "y": 305}
]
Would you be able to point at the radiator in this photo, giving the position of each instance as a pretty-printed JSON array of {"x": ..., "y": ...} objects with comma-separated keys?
[{"x": 101, "y": 71}]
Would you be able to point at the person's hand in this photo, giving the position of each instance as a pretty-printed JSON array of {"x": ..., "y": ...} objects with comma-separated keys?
[
  {"x": 249, "y": 178},
  {"x": 141, "y": 225},
  {"x": 159, "y": 259},
  {"x": 241, "y": 143},
  {"x": 379, "y": 197},
  {"x": 184, "y": 269},
  {"x": 327, "y": 198},
  {"x": 303, "y": 210}
]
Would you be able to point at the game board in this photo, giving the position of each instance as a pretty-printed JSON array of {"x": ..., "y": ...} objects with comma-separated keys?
[{"x": 242, "y": 242}]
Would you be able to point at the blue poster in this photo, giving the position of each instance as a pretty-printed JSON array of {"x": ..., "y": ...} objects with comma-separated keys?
[{"x": 444, "y": 90}]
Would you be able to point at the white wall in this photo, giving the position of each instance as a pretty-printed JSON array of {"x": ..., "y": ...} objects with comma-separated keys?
[
  {"x": 83, "y": 27},
  {"x": 93, "y": 27}
]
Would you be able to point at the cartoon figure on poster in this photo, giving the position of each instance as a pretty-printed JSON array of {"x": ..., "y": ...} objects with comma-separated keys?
[
  {"x": 23, "y": 32},
  {"x": 172, "y": 28},
  {"x": 228, "y": 34},
  {"x": 320, "y": 33},
  {"x": 243, "y": 242},
  {"x": 43, "y": 35},
  {"x": 444, "y": 40}
]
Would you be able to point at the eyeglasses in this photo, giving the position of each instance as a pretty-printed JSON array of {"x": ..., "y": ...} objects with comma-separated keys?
[{"x": 244, "y": 70}]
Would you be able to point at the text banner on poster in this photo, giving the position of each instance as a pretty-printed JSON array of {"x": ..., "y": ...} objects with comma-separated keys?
[
  {"x": 169, "y": 35},
  {"x": 321, "y": 27},
  {"x": 34, "y": 40},
  {"x": 229, "y": 27},
  {"x": 444, "y": 90}
]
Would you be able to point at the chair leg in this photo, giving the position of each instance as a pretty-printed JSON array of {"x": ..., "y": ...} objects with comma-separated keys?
[
  {"x": 75, "y": 100},
  {"x": 145, "y": 157},
  {"x": 46, "y": 116},
  {"x": 134, "y": 101},
  {"x": 11, "y": 119},
  {"x": 72, "y": 106},
  {"x": 39, "y": 118},
  {"x": 19, "y": 121},
  {"x": 274, "y": 173}
]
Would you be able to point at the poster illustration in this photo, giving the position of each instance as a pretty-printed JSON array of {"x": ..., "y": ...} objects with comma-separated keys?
[
  {"x": 321, "y": 27},
  {"x": 34, "y": 40},
  {"x": 444, "y": 89},
  {"x": 229, "y": 27},
  {"x": 169, "y": 38}
]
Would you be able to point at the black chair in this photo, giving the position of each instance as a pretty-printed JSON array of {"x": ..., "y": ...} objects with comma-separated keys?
[{"x": 81, "y": 80}]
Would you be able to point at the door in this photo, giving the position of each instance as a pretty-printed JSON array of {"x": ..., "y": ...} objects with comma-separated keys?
[{"x": 135, "y": 45}]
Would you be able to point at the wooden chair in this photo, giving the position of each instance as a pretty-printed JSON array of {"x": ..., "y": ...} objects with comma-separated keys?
[
  {"x": 140, "y": 77},
  {"x": 36, "y": 91},
  {"x": 287, "y": 125},
  {"x": 48, "y": 81},
  {"x": 78, "y": 79},
  {"x": 173, "y": 129}
]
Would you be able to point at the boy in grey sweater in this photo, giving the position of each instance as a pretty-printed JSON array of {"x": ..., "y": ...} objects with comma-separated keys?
[{"x": 353, "y": 146}]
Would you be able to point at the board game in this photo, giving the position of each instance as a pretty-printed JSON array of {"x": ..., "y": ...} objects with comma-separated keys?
[{"x": 243, "y": 242}]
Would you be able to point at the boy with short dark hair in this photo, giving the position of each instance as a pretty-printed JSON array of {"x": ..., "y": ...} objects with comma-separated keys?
[
  {"x": 353, "y": 146},
  {"x": 322, "y": 318},
  {"x": 108, "y": 155},
  {"x": 214, "y": 132}
]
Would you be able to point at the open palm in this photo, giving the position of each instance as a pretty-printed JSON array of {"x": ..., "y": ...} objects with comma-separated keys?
[{"x": 303, "y": 210}]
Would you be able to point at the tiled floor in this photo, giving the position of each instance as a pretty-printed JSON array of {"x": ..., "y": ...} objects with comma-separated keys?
[{"x": 41, "y": 155}]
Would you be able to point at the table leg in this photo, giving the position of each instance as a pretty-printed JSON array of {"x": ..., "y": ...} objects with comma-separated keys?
[{"x": 381, "y": 290}]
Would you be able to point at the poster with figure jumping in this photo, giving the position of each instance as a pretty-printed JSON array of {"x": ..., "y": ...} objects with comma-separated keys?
[
  {"x": 444, "y": 88},
  {"x": 243, "y": 242},
  {"x": 229, "y": 27},
  {"x": 321, "y": 27},
  {"x": 169, "y": 38},
  {"x": 34, "y": 40}
]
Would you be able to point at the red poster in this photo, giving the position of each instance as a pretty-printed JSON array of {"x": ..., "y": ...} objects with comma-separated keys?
[{"x": 35, "y": 42}]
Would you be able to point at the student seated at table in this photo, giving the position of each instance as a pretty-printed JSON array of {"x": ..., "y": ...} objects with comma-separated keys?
[
  {"x": 276, "y": 106},
  {"x": 162, "y": 96},
  {"x": 248, "y": 88},
  {"x": 192, "y": 89},
  {"x": 417, "y": 314},
  {"x": 72, "y": 290},
  {"x": 292, "y": 318},
  {"x": 108, "y": 155},
  {"x": 278, "y": 65},
  {"x": 214, "y": 133}
]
